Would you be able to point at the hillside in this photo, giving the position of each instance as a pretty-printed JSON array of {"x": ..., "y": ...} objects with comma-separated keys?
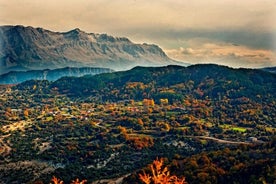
[
  {"x": 28, "y": 48},
  {"x": 16, "y": 77},
  {"x": 210, "y": 123},
  {"x": 198, "y": 81}
]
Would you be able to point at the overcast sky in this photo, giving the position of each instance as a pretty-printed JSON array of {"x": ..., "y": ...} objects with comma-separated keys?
[{"x": 237, "y": 33}]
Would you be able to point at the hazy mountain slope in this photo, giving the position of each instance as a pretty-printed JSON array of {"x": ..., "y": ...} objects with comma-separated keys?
[
  {"x": 37, "y": 48},
  {"x": 270, "y": 69},
  {"x": 51, "y": 75}
]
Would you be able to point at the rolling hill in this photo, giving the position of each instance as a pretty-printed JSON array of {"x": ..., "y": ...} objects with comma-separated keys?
[{"x": 200, "y": 81}]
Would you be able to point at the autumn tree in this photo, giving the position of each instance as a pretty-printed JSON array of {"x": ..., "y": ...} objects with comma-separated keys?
[
  {"x": 140, "y": 121},
  {"x": 26, "y": 113},
  {"x": 55, "y": 180},
  {"x": 160, "y": 175},
  {"x": 140, "y": 142}
]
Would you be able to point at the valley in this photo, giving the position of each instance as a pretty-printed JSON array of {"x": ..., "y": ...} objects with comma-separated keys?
[{"x": 201, "y": 119}]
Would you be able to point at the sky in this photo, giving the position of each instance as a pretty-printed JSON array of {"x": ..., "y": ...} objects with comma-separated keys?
[{"x": 226, "y": 32}]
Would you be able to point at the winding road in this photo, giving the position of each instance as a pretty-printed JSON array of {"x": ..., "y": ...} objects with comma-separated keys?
[{"x": 221, "y": 140}]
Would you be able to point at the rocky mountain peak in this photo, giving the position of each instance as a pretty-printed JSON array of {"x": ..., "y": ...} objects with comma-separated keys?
[{"x": 38, "y": 48}]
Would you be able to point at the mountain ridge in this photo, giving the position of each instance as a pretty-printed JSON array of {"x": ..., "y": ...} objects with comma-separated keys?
[
  {"x": 37, "y": 48},
  {"x": 201, "y": 81},
  {"x": 270, "y": 69},
  {"x": 15, "y": 77}
]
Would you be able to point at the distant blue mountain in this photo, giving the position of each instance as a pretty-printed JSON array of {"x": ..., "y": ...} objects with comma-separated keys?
[
  {"x": 15, "y": 77},
  {"x": 270, "y": 69}
]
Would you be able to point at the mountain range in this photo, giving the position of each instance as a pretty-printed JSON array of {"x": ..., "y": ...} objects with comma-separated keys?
[{"x": 28, "y": 48}]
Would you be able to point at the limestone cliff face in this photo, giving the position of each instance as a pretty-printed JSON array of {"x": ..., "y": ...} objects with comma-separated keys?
[{"x": 36, "y": 48}]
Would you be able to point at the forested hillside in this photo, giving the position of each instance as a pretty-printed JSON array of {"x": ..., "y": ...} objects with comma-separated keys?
[
  {"x": 209, "y": 123},
  {"x": 200, "y": 81}
]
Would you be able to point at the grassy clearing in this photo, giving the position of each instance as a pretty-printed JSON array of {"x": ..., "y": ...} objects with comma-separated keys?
[
  {"x": 230, "y": 127},
  {"x": 50, "y": 118},
  {"x": 239, "y": 129}
]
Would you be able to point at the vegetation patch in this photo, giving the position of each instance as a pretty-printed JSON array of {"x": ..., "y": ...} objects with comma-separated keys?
[{"x": 239, "y": 129}]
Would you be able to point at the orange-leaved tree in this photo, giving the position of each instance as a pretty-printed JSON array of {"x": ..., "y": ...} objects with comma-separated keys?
[
  {"x": 77, "y": 181},
  {"x": 56, "y": 180},
  {"x": 160, "y": 175},
  {"x": 59, "y": 181}
]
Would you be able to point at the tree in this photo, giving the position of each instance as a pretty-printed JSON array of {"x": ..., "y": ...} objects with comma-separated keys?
[
  {"x": 160, "y": 175},
  {"x": 140, "y": 121},
  {"x": 77, "y": 181},
  {"x": 59, "y": 181},
  {"x": 26, "y": 113},
  {"x": 56, "y": 180}
]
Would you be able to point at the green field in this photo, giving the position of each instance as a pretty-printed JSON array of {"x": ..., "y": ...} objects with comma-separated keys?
[{"x": 239, "y": 129}]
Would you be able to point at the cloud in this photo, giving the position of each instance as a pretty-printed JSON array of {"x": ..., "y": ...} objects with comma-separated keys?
[
  {"x": 224, "y": 53},
  {"x": 117, "y": 15},
  {"x": 171, "y": 24},
  {"x": 171, "y": 38}
]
